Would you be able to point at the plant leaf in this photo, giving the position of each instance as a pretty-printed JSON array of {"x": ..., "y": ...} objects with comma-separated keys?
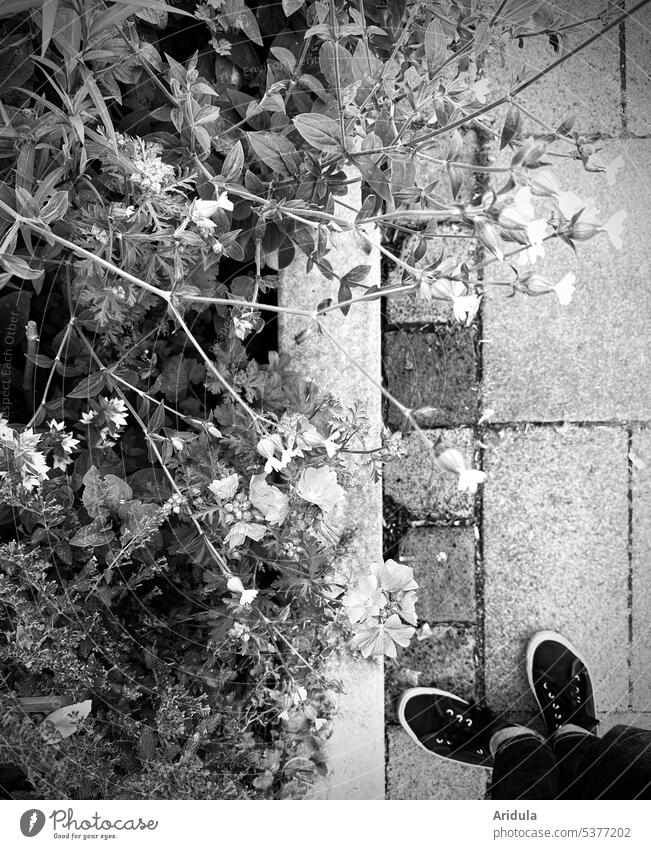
[
  {"x": 276, "y": 151},
  {"x": 65, "y": 720},
  {"x": 319, "y": 131}
]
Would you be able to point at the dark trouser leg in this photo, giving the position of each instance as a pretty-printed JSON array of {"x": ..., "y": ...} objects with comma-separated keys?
[
  {"x": 616, "y": 766},
  {"x": 525, "y": 767}
]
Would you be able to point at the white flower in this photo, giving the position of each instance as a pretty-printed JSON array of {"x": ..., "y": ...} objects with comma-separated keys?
[
  {"x": 452, "y": 460},
  {"x": 614, "y": 228},
  {"x": 545, "y": 182},
  {"x": 565, "y": 289},
  {"x": 469, "y": 480},
  {"x": 320, "y": 487},
  {"x": 570, "y": 203},
  {"x": 480, "y": 90},
  {"x": 309, "y": 437},
  {"x": 115, "y": 411},
  {"x": 177, "y": 444},
  {"x": 87, "y": 418},
  {"x": 226, "y": 487},
  {"x": 241, "y": 531},
  {"x": 236, "y": 586},
  {"x": 612, "y": 168},
  {"x": 365, "y": 600},
  {"x": 30, "y": 462},
  {"x": 269, "y": 500},
  {"x": 536, "y": 231},
  {"x": 465, "y": 308},
  {"x": 520, "y": 211},
  {"x": 382, "y": 638},
  {"x": 68, "y": 443},
  {"x": 268, "y": 446}
]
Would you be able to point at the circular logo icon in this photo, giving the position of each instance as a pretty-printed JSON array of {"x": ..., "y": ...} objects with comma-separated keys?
[{"x": 32, "y": 822}]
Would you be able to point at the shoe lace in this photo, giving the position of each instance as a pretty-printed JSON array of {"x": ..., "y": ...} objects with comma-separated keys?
[
  {"x": 566, "y": 703},
  {"x": 465, "y": 726}
]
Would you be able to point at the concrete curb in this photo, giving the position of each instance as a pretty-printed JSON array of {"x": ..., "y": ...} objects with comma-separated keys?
[{"x": 355, "y": 752}]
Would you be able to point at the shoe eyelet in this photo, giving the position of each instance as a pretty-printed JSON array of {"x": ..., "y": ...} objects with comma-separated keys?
[
  {"x": 545, "y": 685},
  {"x": 480, "y": 751},
  {"x": 449, "y": 712},
  {"x": 440, "y": 742},
  {"x": 469, "y": 722},
  {"x": 551, "y": 696}
]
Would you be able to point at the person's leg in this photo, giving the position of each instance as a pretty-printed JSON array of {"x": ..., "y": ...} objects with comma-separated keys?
[
  {"x": 561, "y": 684},
  {"x": 616, "y": 766},
  {"x": 447, "y": 726},
  {"x": 525, "y": 766}
]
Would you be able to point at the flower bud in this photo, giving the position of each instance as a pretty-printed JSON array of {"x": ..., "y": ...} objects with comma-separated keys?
[
  {"x": 581, "y": 230},
  {"x": 489, "y": 236},
  {"x": 536, "y": 285}
]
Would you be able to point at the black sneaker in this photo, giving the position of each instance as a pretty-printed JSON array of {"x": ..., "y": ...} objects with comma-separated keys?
[
  {"x": 447, "y": 725},
  {"x": 560, "y": 681}
]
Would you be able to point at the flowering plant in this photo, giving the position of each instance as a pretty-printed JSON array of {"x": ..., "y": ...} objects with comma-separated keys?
[{"x": 171, "y": 485}]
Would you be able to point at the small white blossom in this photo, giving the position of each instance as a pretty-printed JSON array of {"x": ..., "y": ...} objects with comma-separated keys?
[
  {"x": 465, "y": 308},
  {"x": 614, "y": 229},
  {"x": 565, "y": 289},
  {"x": 115, "y": 411},
  {"x": 87, "y": 418},
  {"x": 236, "y": 586},
  {"x": 452, "y": 460}
]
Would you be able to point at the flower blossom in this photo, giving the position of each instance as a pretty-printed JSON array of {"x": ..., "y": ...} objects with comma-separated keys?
[
  {"x": 269, "y": 500},
  {"x": 365, "y": 600},
  {"x": 565, "y": 289},
  {"x": 319, "y": 486},
  {"x": 382, "y": 637},
  {"x": 115, "y": 411},
  {"x": 614, "y": 229},
  {"x": 236, "y": 586},
  {"x": 452, "y": 460}
]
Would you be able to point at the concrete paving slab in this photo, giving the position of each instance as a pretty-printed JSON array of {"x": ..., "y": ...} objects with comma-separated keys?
[
  {"x": 443, "y": 560},
  {"x": 641, "y": 633},
  {"x": 414, "y": 774},
  {"x": 555, "y": 554},
  {"x": 355, "y": 752},
  {"x": 446, "y": 659},
  {"x": 421, "y": 486},
  {"x": 587, "y": 86},
  {"x": 588, "y": 361},
  {"x": 416, "y": 309},
  {"x": 433, "y": 374},
  {"x": 638, "y": 71}
]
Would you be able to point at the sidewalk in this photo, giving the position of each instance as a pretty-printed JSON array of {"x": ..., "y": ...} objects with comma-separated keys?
[{"x": 560, "y": 536}]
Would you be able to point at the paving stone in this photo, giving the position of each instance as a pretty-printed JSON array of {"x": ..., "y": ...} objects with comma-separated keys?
[
  {"x": 638, "y": 71},
  {"x": 607, "y": 720},
  {"x": 419, "y": 484},
  {"x": 555, "y": 554},
  {"x": 355, "y": 771},
  {"x": 641, "y": 634},
  {"x": 589, "y": 360},
  {"x": 434, "y": 371},
  {"x": 443, "y": 560},
  {"x": 415, "y": 308},
  {"x": 414, "y": 774},
  {"x": 446, "y": 659},
  {"x": 586, "y": 85}
]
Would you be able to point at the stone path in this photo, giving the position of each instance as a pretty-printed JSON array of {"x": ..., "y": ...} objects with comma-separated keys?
[{"x": 560, "y": 537}]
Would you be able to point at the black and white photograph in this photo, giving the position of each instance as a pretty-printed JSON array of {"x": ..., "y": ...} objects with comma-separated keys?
[{"x": 325, "y": 422}]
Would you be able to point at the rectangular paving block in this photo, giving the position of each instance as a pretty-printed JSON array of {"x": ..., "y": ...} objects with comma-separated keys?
[
  {"x": 433, "y": 374},
  {"x": 417, "y": 482},
  {"x": 412, "y": 773},
  {"x": 638, "y": 71},
  {"x": 415, "y": 308},
  {"x": 446, "y": 659},
  {"x": 355, "y": 751},
  {"x": 586, "y": 86},
  {"x": 556, "y": 555},
  {"x": 587, "y": 361},
  {"x": 443, "y": 560},
  {"x": 641, "y": 631}
]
